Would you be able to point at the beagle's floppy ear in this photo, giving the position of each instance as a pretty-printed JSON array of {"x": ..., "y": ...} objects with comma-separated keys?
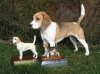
[{"x": 46, "y": 20}]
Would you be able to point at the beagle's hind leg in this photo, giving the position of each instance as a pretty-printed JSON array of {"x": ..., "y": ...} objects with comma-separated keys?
[
  {"x": 74, "y": 42},
  {"x": 83, "y": 42}
]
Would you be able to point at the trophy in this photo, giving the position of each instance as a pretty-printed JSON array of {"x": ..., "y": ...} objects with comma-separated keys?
[{"x": 52, "y": 57}]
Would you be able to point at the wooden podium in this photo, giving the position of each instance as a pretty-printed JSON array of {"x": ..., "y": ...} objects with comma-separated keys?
[
  {"x": 52, "y": 61},
  {"x": 24, "y": 60}
]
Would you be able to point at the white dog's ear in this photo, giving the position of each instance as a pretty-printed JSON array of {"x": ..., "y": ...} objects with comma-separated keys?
[
  {"x": 46, "y": 21},
  {"x": 17, "y": 40}
]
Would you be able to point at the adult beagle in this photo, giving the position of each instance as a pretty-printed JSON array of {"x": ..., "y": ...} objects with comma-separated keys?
[
  {"x": 54, "y": 32},
  {"x": 25, "y": 46}
]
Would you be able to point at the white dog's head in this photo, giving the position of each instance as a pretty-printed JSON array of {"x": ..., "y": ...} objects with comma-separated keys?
[
  {"x": 16, "y": 40},
  {"x": 40, "y": 20}
]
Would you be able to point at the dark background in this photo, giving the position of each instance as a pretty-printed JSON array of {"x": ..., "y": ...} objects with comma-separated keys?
[{"x": 15, "y": 16}]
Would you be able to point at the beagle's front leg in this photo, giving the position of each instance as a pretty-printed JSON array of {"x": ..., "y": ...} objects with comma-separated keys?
[
  {"x": 45, "y": 48},
  {"x": 44, "y": 42}
]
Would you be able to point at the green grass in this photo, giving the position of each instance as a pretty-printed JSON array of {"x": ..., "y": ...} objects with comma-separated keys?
[{"x": 78, "y": 63}]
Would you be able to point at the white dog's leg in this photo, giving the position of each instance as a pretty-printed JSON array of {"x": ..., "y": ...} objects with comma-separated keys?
[
  {"x": 83, "y": 42},
  {"x": 21, "y": 54},
  {"x": 36, "y": 55},
  {"x": 34, "y": 52},
  {"x": 74, "y": 42}
]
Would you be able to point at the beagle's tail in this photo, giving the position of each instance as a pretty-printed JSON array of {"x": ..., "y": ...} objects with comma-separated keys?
[
  {"x": 82, "y": 14},
  {"x": 34, "y": 39}
]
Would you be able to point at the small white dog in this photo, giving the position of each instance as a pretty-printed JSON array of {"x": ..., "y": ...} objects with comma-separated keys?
[{"x": 25, "y": 46}]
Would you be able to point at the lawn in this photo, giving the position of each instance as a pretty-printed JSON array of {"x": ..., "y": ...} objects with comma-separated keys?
[{"x": 78, "y": 63}]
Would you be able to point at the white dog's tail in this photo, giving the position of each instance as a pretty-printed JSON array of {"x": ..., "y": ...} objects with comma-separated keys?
[
  {"x": 82, "y": 14},
  {"x": 34, "y": 39}
]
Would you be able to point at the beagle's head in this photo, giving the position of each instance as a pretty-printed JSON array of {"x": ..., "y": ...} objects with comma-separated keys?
[
  {"x": 16, "y": 40},
  {"x": 40, "y": 20}
]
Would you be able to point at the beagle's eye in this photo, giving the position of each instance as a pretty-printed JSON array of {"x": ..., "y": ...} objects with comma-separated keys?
[{"x": 37, "y": 18}]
